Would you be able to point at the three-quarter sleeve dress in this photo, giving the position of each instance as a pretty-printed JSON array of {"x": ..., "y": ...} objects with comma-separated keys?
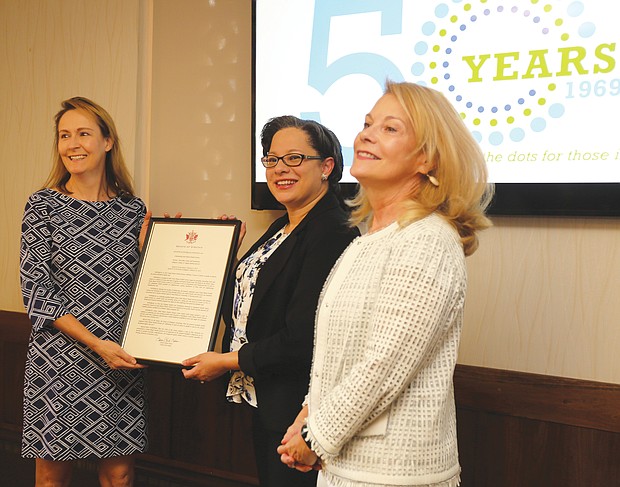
[{"x": 79, "y": 257}]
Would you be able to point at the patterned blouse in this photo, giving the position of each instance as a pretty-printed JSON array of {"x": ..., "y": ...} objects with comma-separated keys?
[{"x": 240, "y": 384}]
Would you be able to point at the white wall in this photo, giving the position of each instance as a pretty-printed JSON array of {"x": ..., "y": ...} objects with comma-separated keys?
[{"x": 176, "y": 77}]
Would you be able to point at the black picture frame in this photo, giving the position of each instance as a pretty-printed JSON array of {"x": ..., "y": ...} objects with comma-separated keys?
[{"x": 175, "y": 304}]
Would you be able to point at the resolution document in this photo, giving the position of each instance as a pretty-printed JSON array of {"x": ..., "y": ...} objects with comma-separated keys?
[{"x": 175, "y": 304}]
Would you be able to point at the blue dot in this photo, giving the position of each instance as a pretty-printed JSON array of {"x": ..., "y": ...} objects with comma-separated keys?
[
  {"x": 545, "y": 30},
  {"x": 469, "y": 104},
  {"x": 441, "y": 10},
  {"x": 575, "y": 9},
  {"x": 480, "y": 109},
  {"x": 420, "y": 48},
  {"x": 536, "y": 19},
  {"x": 496, "y": 138},
  {"x": 494, "y": 109},
  {"x": 459, "y": 98},
  {"x": 473, "y": 18},
  {"x": 514, "y": 10},
  {"x": 445, "y": 64},
  {"x": 453, "y": 38},
  {"x": 463, "y": 27},
  {"x": 446, "y": 76},
  {"x": 538, "y": 124},
  {"x": 486, "y": 11},
  {"x": 500, "y": 9},
  {"x": 526, "y": 13},
  {"x": 587, "y": 29},
  {"x": 556, "y": 110},
  {"x": 449, "y": 50},
  {"x": 507, "y": 108},
  {"x": 477, "y": 135},
  {"x": 517, "y": 135},
  {"x": 417, "y": 69},
  {"x": 451, "y": 88},
  {"x": 520, "y": 101},
  {"x": 428, "y": 28},
  {"x": 532, "y": 92}
]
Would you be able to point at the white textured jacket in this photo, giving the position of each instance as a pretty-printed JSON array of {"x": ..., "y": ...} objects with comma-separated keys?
[{"x": 381, "y": 400}]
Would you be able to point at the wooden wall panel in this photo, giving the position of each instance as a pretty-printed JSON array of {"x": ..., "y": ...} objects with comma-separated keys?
[{"x": 515, "y": 429}]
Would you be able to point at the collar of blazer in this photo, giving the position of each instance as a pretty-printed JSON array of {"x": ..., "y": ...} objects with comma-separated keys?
[{"x": 274, "y": 265}]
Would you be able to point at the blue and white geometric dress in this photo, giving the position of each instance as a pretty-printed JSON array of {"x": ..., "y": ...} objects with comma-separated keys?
[{"x": 79, "y": 257}]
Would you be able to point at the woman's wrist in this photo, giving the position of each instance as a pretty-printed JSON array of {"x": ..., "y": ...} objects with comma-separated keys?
[{"x": 231, "y": 360}]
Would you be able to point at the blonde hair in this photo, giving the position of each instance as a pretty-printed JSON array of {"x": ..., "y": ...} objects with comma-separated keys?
[
  {"x": 118, "y": 179},
  {"x": 457, "y": 161}
]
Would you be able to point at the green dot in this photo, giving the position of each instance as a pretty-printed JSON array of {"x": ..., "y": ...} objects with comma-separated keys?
[
  {"x": 534, "y": 2},
  {"x": 542, "y": 101},
  {"x": 476, "y": 121},
  {"x": 436, "y": 48},
  {"x": 558, "y": 22},
  {"x": 434, "y": 80},
  {"x": 551, "y": 87},
  {"x": 493, "y": 123},
  {"x": 527, "y": 112},
  {"x": 467, "y": 7},
  {"x": 433, "y": 65},
  {"x": 564, "y": 37},
  {"x": 442, "y": 32},
  {"x": 453, "y": 19},
  {"x": 510, "y": 120},
  {"x": 463, "y": 116}
]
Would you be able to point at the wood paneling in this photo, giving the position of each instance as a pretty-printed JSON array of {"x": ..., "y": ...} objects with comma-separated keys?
[
  {"x": 554, "y": 399},
  {"x": 196, "y": 438},
  {"x": 529, "y": 430},
  {"x": 515, "y": 429}
]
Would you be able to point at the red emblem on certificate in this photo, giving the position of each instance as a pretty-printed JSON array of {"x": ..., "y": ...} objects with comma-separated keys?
[{"x": 191, "y": 237}]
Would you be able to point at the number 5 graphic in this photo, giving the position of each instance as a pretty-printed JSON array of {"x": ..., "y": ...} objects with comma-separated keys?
[{"x": 320, "y": 75}]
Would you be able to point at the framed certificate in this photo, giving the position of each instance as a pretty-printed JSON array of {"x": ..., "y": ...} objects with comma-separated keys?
[{"x": 175, "y": 304}]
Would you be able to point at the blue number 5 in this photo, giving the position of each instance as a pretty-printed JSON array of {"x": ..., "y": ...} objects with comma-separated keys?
[{"x": 320, "y": 75}]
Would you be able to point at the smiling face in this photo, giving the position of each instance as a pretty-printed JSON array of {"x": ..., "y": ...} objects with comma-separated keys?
[
  {"x": 297, "y": 188},
  {"x": 81, "y": 145},
  {"x": 384, "y": 159}
]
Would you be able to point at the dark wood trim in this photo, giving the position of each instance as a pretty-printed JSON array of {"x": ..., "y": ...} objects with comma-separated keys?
[
  {"x": 574, "y": 402},
  {"x": 514, "y": 428},
  {"x": 15, "y": 327}
]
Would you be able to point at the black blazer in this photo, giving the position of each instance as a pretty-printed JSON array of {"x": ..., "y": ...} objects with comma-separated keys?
[{"x": 280, "y": 327}]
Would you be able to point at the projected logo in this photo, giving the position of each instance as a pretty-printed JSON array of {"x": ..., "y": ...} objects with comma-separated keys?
[{"x": 462, "y": 56}]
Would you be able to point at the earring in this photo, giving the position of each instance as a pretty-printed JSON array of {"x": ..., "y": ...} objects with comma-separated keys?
[
  {"x": 433, "y": 180},
  {"x": 323, "y": 177}
]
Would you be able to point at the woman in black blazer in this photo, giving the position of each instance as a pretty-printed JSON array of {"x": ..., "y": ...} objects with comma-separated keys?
[{"x": 269, "y": 307}]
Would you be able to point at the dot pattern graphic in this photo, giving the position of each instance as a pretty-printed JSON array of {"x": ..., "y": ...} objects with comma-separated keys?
[{"x": 510, "y": 119}]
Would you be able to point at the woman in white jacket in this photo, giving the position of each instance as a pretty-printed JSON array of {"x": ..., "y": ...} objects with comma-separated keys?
[{"x": 380, "y": 409}]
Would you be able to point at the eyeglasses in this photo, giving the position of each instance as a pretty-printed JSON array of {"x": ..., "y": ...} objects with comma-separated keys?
[{"x": 291, "y": 160}]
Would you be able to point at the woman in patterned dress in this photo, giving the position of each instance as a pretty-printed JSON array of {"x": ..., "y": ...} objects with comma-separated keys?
[
  {"x": 83, "y": 394},
  {"x": 270, "y": 308},
  {"x": 380, "y": 409}
]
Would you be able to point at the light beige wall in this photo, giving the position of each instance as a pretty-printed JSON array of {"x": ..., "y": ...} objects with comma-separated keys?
[
  {"x": 53, "y": 50},
  {"x": 543, "y": 298},
  {"x": 542, "y": 290},
  {"x": 201, "y": 111}
]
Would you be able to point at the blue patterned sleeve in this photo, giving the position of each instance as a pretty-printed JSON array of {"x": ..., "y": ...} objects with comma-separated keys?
[{"x": 41, "y": 299}]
